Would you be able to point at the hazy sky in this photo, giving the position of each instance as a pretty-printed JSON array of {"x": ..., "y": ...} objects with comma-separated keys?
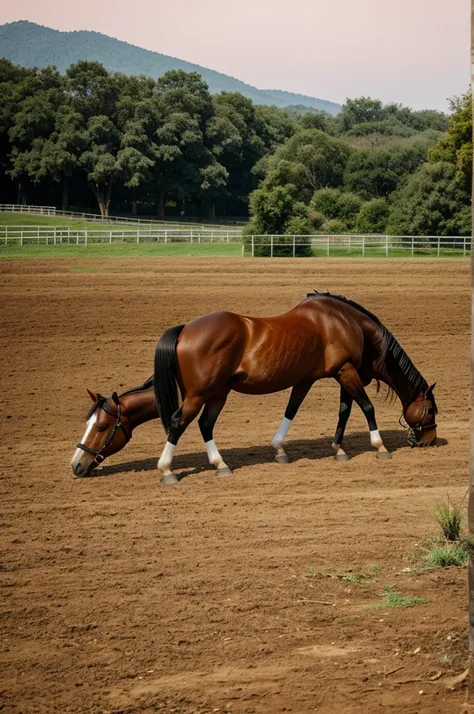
[{"x": 411, "y": 51}]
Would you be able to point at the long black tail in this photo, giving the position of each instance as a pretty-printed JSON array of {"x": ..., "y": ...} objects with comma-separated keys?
[{"x": 165, "y": 378}]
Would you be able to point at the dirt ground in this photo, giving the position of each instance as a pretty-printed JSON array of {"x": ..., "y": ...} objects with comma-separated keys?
[{"x": 122, "y": 595}]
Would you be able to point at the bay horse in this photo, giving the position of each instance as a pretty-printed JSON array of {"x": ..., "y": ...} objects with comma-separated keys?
[
  {"x": 324, "y": 336},
  {"x": 110, "y": 423}
]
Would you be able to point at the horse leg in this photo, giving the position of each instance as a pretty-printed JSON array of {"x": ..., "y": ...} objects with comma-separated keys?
[
  {"x": 349, "y": 378},
  {"x": 207, "y": 422},
  {"x": 298, "y": 393},
  {"x": 179, "y": 422},
  {"x": 345, "y": 406}
]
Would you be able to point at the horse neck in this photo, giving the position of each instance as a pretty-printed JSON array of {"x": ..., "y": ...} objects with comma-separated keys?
[
  {"x": 400, "y": 385},
  {"x": 141, "y": 407}
]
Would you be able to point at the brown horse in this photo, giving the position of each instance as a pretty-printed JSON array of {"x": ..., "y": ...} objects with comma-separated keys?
[
  {"x": 110, "y": 424},
  {"x": 324, "y": 336}
]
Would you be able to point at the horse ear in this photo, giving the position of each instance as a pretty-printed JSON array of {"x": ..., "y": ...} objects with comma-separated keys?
[
  {"x": 431, "y": 388},
  {"x": 92, "y": 396}
]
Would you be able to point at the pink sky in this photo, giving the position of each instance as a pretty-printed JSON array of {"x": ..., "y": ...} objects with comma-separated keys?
[{"x": 411, "y": 51}]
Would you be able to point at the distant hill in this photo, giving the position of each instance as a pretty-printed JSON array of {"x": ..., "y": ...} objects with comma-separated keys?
[{"x": 31, "y": 45}]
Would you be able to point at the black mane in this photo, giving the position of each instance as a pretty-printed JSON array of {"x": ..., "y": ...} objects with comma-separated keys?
[
  {"x": 143, "y": 387},
  {"x": 392, "y": 354}
]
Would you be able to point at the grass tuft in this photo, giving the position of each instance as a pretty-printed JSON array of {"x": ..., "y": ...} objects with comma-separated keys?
[
  {"x": 443, "y": 556},
  {"x": 449, "y": 518},
  {"x": 394, "y": 599}
]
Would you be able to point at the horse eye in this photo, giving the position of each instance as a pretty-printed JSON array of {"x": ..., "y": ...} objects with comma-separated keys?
[{"x": 101, "y": 428}]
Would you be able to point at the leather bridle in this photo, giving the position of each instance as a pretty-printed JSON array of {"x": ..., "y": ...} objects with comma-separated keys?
[
  {"x": 419, "y": 426},
  {"x": 102, "y": 404}
]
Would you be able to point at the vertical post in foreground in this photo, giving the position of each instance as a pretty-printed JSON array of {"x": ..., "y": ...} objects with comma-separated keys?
[
  {"x": 271, "y": 246},
  {"x": 253, "y": 246},
  {"x": 470, "y": 693}
]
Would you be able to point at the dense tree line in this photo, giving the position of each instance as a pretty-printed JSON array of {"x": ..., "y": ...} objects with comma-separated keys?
[
  {"x": 169, "y": 146},
  {"x": 131, "y": 139},
  {"x": 371, "y": 169}
]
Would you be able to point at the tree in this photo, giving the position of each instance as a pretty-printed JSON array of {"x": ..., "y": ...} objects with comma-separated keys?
[
  {"x": 431, "y": 203},
  {"x": 275, "y": 211},
  {"x": 455, "y": 146},
  {"x": 373, "y": 216},
  {"x": 374, "y": 173},
  {"x": 332, "y": 203}
]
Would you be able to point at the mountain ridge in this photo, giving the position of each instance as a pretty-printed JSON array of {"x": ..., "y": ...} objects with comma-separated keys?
[{"x": 32, "y": 45}]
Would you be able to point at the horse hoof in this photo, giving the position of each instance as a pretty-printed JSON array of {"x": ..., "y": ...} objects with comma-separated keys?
[
  {"x": 342, "y": 457},
  {"x": 169, "y": 479},
  {"x": 224, "y": 471},
  {"x": 383, "y": 456},
  {"x": 284, "y": 459}
]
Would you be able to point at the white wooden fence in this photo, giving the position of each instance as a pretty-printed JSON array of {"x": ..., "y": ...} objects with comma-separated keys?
[
  {"x": 52, "y": 235},
  {"x": 357, "y": 245},
  {"x": 52, "y": 211}
]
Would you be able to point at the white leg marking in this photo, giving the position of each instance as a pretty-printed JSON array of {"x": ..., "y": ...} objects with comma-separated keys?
[
  {"x": 166, "y": 458},
  {"x": 376, "y": 439},
  {"x": 79, "y": 453},
  {"x": 279, "y": 438},
  {"x": 213, "y": 455}
]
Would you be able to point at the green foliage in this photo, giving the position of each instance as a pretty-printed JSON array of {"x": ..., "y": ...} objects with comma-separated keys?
[
  {"x": 394, "y": 599},
  {"x": 443, "y": 556},
  {"x": 376, "y": 173},
  {"x": 431, "y": 203},
  {"x": 335, "y": 226},
  {"x": 373, "y": 216},
  {"x": 449, "y": 519},
  {"x": 455, "y": 147},
  {"x": 333, "y": 203}
]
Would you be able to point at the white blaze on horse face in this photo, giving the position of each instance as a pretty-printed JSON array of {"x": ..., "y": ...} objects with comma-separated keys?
[
  {"x": 79, "y": 453},
  {"x": 279, "y": 437}
]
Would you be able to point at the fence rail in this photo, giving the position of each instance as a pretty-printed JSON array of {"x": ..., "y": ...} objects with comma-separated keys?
[
  {"x": 362, "y": 245},
  {"x": 52, "y": 235},
  {"x": 52, "y": 211},
  {"x": 267, "y": 245}
]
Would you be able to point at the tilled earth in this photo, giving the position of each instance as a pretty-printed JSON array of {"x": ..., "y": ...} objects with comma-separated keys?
[{"x": 258, "y": 593}]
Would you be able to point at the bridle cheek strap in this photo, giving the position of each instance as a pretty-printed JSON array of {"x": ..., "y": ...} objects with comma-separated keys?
[{"x": 118, "y": 425}]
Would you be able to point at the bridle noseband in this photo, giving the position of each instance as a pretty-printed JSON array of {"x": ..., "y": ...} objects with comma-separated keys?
[
  {"x": 419, "y": 426},
  {"x": 102, "y": 404}
]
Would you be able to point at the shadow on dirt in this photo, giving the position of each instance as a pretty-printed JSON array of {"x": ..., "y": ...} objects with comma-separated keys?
[{"x": 314, "y": 449}]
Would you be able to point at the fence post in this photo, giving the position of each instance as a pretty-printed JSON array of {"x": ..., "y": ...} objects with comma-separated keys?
[
  {"x": 228, "y": 239},
  {"x": 327, "y": 251},
  {"x": 253, "y": 246},
  {"x": 464, "y": 247},
  {"x": 54, "y": 235},
  {"x": 412, "y": 246},
  {"x": 85, "y": 238},
  {"x": 68, "y": 234},
  {"x": 386, "y": 246},
  {"x": 294, "y": 246},
  {"x": 349, "y": 244},
  {"x": 138, "y": 235},
  {"x": 271, "y": 246},
  {"x": 21, "y": 238},
  {"x": 439, "y": 244},
  {"x": 191, "y": 235},
  {"x": 363, "y": 246},
  {"x": 166, "y": 236},
  {"x": 243, "y": 249}
]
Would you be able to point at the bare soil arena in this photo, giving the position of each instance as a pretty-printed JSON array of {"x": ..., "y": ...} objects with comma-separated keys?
[{"x": 122, "y": 595}]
